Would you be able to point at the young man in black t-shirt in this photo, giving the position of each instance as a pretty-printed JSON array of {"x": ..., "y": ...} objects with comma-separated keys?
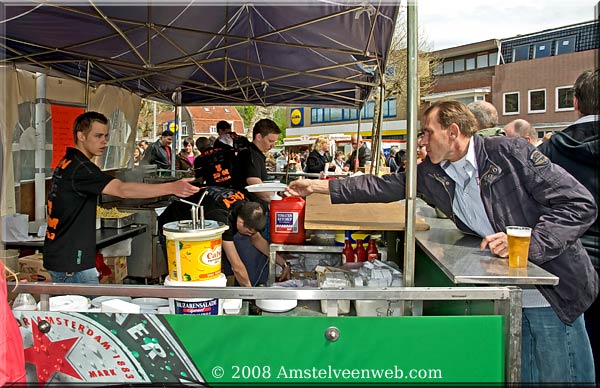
[
  {"x": 70, "y": 243},
  {"x": 250, "y": 168},
  {"x": 245, "y": 251}
]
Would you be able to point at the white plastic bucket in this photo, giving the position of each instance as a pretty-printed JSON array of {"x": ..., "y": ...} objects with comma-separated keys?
[
  {"x": 197, "y": 306},
  {"x": 194, "y": 254}
]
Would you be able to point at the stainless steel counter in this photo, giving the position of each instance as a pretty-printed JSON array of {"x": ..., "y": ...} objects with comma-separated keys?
[
  {"x": 104, "y": 237},
  {"x": 459, "y": 257}
]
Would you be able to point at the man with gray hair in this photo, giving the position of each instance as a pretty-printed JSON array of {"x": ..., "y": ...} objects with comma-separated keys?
[
  {"x": 522, "y": 128},
  {"x": 577, "y": 150},
  {"x": 487, "y": 118}
]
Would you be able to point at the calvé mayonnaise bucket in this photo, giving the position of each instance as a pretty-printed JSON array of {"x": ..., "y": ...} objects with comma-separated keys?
[{"x": 194, "y": 254}]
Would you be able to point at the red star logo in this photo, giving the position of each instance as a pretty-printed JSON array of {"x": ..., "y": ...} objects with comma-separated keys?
[{"x": 49, "y": 357}]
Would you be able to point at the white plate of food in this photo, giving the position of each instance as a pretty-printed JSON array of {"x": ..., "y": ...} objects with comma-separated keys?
[{"x": 266, "y": 187}]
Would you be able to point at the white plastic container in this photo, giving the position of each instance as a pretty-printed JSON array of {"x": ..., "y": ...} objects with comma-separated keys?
[
  {"x": 197, "y": 306},
  {"x": 335, "y": 280},
  {"x": 377, "y": 308},
  {"x": 194, "y": 255}
]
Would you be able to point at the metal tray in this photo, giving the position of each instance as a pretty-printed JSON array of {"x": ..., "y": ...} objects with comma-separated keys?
[{"x": 117, "y": 223}]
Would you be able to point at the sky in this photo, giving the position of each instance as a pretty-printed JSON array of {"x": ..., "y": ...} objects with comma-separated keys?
[{"x": 456, "y": 22}]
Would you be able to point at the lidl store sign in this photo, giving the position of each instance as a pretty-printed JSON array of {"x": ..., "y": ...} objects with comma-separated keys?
[
  {"x": 297, "y": 117},
  {"x": 172, "y": 126}
]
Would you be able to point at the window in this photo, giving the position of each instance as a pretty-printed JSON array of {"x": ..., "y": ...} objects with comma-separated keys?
[
  {"x": 213, "y": 129},
  {"x": 316, "y": 115},
  {"x": 465, "y": 100},
  {"x": 459, "y": 64},
  {"x": 564, "y": 98},
  {"x": 350, "y": 114},
  {"x": 520, "y": 53},
  {"x": 537, "y": 101},
  {"x": 227, "y": 110},
  {"x": 565, "y": 45},
  {"x": 368, "y": 110},
  {"x": 448, "y": 67},
  {"x": 206, "y": 109},
  {"x": 438, "y": 69},
  {"x": 389, "y": 108},
  {"x": 510, "y": 103},
  {"x": 542, "y": 49},
  {"x": 335, "y": 114},
  {"x": 470, "y": 63},
  {"x": 184, "y": 129},
  {"x": 482, "y": 61},
  {"x": 493, "y": 58}
]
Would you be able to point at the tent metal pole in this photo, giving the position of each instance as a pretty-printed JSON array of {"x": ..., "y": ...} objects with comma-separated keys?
[
  {"x": 411, "y": 148},
  {"x": 380, "y": 126},
  {"x": 40, "y": 148},
  {"x": 353, "y": 167}
]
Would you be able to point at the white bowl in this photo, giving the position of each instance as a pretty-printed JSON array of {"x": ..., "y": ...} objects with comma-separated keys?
[{"x": 276, "y": 305}]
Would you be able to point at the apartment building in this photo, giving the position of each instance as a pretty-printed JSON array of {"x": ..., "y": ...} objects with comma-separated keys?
[{"x": 528, "y": 76}]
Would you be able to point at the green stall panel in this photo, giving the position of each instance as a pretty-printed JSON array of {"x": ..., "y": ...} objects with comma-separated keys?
[{"x": 259, "y": 350}]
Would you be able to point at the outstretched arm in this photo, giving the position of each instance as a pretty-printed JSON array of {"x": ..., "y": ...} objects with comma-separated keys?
[{"x": 180, "y": 188}]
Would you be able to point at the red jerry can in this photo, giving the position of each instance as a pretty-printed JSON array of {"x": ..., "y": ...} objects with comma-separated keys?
[{"x": 287, "y": 221}]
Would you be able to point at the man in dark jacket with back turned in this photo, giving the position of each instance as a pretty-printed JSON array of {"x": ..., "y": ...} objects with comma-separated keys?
[
  {"x": 577, "y": 150},
  {"x": 484, "y": 184}
]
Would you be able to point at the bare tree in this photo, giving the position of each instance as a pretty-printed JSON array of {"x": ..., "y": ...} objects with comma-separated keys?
[
  {"x": 146, "y": 118},
  {"x": 396, "y": 73}
]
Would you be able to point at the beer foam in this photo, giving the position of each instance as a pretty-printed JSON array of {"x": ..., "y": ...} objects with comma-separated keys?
[{"x": 518, "y": 232}]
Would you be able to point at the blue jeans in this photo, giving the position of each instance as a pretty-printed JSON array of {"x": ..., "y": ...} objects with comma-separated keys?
[
  {"x": 88, "y": 276},
  {"x": 256, "y": 263},
  {"x": 554, "y": 352}
]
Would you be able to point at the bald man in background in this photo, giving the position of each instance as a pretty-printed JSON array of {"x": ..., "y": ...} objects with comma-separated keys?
[{"x": 522, "y": 128}]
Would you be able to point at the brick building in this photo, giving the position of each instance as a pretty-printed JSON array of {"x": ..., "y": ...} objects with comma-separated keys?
[
  {"x": 529, "y": 76},
  {"x": 202, "y": 120}
]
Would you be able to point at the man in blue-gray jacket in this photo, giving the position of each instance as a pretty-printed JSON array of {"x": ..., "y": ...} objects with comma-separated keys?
[
  {"x": 577, "y": 150},
  {"x": 483, "y": 185}
]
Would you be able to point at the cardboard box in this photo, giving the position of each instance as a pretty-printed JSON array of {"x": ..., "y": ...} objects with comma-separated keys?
[
  {"x": 32, "y": 269},
  {"x": 118, "y": 267}
]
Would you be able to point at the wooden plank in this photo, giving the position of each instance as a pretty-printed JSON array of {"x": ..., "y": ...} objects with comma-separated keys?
[{"x": 321, "y": 214}]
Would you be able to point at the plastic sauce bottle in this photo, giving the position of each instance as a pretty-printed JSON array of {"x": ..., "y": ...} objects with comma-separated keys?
[
  {"x": 372, "y": 251},
  {"x": 348, "y": 253},
  {"x": 361, "y": 253},
  {"x": 24, "y": 302}
]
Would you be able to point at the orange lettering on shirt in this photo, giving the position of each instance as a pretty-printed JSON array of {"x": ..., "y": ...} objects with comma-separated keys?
[
  {"x": 63, "y": 163},
  {"x": 52, "y": 222},
  {"x": 50, "y": 235}
]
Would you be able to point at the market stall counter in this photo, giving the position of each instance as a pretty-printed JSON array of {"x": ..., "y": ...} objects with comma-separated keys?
[{"x": 99, "y": 348}]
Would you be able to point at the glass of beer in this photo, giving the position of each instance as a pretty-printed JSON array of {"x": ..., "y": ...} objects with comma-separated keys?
[{"x": 518, "y": 245}]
